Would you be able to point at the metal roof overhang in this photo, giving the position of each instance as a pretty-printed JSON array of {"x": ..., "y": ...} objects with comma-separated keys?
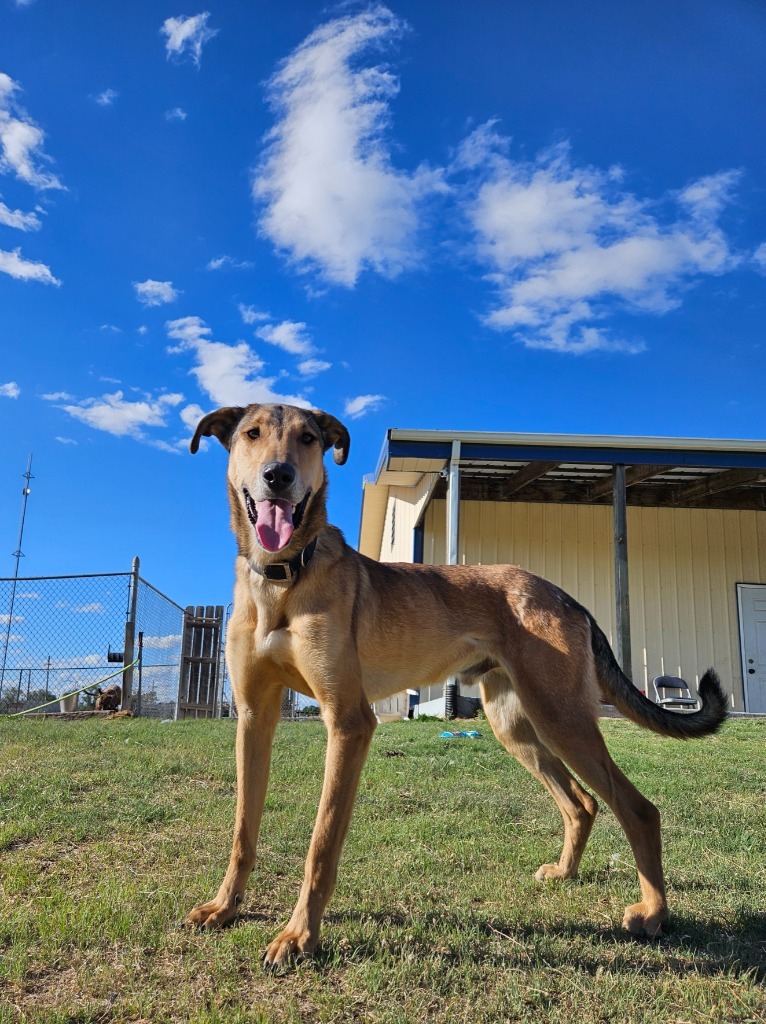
[{"x": 569, "y": 468}]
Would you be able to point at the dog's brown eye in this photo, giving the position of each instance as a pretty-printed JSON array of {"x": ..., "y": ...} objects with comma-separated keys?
[
  {"x": 254, "y": 434},
  {"x": 308, "y": 438}
]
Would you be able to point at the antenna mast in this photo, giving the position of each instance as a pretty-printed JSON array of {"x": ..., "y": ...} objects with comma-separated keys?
[{"x": 18, "y": 554}]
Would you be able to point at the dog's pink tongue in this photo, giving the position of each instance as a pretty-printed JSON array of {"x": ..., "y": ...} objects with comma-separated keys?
[{"x": 274, "y": 524}]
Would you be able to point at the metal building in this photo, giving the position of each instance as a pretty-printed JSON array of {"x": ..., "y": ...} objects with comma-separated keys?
[{"x": 663, "y": 539}]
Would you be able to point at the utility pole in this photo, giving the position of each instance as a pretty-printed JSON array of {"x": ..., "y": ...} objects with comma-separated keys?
[{"x": 18, "y": 554}]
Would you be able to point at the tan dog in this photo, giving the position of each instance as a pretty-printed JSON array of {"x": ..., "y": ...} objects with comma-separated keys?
[
  {"x": 109, "y": 699},
  {"x": 312, "y": 614}
]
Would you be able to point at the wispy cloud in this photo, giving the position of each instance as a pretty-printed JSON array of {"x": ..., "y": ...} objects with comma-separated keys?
[
  {"x": 289, "y": 335},
  {"x": 185, "y": 37},
  {"x": 10, "y": 390},
  {"x": 176, "y": 114},
  {"x": 311, "y": 367},
  {"x": 759, "y": 257},
  {"x": 57, "y": 396},
  {"x": 332, "y": 198},
  {"x": 229, "y": 263},
  {"x": 14, "y": 264},
  {"x": 106, "y": 98},
  {"x": 155, "y": 293},
  {"x": 228, "y": 374},
  {"x": 114, "y": 414},
  {"x": 362, "y": 404},
  {"x": 567, "y": 246},
  {"x": 251, "y": 315},
  {"x": 21, "y": 141},
  {"x": 18, "y": 219},
  {"x": 65, "y": 440}
]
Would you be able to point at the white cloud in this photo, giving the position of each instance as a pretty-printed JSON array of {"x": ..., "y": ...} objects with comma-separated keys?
[
  {"x": 18, "y": 219},
  {"x": 155, "y": 293},
  {"x": 110, "y": 329},
  {"x": 21, "y": 141},
  {"x": 191, "y": 415},
  {"x": 362, "y": 404},
  {"x": 228, "y": 374},
  {"x": 57, "y": 396},
  {"x": 106, "y": 98},
  {"x": 229, "y": 263},
  {"x": 123, "y": 418},
  {"x": 250, "y": 315},
  {"x": 332, "y": 197},
  {"x": 162, "y": 643},
  {"x": 14, "y": 264},
  {"x": 759, "y": 257},
  {"x": 94, "y": 608},
  {"x": 176, "y": 114},
  {"x": 187, "y": 36},
  {"x": 65, "y": 440},
  {"x": 10, "y": 390},
  {"x": 311, "y": 367},
  {"x": 289, "y": 336},
  {"x": 567, "y": 246}
]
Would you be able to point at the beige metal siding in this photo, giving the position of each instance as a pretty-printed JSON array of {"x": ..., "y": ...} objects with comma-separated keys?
[
  {"x": 405, "y": 506},
  {"x": 683, "y": 566}
]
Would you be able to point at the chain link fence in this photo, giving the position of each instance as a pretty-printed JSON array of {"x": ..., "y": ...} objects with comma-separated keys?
[{"x": 62, "y": 633}]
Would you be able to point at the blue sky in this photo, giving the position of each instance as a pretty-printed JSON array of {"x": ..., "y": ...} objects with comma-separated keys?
[{"x": 521, "y": 215}]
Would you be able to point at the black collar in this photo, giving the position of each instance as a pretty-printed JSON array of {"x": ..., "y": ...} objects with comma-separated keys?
[{"x": 289, "y": 571}]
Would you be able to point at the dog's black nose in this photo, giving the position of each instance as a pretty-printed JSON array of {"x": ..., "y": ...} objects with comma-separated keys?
[{"x": 278, "y": 475}]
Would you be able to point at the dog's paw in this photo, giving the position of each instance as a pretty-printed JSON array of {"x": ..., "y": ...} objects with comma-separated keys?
[
  {"x": 289, "y": 947},
  {"x": 548, "y": 872},
  {"x": 212, "y": 915},
  {"x": 641, "y": 920}
]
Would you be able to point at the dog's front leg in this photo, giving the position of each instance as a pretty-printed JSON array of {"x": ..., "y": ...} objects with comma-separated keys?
[
  {"x": 349, "y": 731},
  {"x": 255, "y": 733}
]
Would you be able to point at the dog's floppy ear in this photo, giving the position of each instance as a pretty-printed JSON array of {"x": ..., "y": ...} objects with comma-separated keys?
[
  {"x": 220, "y": 424},
  {"x": 335, "y": 435}
]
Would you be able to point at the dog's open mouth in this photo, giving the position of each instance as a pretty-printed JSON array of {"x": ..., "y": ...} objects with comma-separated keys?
[{"x": 274, "y": 520}]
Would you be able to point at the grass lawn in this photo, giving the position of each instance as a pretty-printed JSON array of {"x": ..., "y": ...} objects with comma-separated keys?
[{"x": 110, "y": 831}]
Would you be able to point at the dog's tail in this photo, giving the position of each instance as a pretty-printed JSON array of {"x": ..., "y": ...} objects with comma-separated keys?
[{"x": 618, "y": 689}]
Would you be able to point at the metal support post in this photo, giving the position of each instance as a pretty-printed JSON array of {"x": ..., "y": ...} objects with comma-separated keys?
[
  {"x": 453, "y": 532},
  {"x": 130, "y": 637},
  {"x": 140, "y": 671},
  {"x": 621, "y": 591}
]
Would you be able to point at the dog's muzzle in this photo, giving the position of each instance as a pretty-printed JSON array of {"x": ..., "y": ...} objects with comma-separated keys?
[{"x": 275, "y": 520}]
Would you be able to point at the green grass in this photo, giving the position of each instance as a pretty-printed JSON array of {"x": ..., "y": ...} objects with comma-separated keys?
[{"x": 110, "y": 831}]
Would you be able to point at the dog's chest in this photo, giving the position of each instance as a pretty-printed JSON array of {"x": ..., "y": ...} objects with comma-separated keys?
[{"x": 275, "y": 645}]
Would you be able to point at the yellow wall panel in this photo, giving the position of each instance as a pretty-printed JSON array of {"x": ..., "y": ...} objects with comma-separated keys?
[{"x": 683, "y": 568}]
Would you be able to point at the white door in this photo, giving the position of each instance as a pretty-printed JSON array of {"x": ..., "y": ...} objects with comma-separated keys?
[{"x": 751, "y": 598}]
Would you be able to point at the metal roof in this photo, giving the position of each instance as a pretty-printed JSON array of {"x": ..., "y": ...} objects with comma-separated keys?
[{"x": 569, "y": 468}]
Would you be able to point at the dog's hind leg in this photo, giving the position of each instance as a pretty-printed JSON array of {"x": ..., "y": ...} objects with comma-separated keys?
[
  {"x": 583, "y": 747},
  {"x": 514, "y": 730},
  {"x": 564, "y": 718}
]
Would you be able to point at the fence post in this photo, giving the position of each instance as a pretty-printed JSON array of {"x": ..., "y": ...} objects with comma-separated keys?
[
  {"x": 183, "y": 668},
  {"x": 130, "y": 637}
]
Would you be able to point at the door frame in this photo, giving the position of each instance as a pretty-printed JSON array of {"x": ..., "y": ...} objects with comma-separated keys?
[{"x": 740, "y": 622}]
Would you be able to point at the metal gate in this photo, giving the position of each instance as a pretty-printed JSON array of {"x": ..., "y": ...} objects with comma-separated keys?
[{"x": 199, "y": 690}]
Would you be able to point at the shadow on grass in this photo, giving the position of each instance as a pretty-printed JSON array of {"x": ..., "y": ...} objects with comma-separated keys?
[{"x": 691, "y": 945}]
